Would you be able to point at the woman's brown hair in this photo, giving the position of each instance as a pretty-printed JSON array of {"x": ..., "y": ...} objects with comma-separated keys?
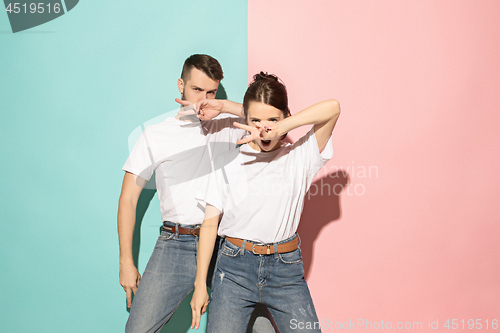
[{"x": 268, "y": 89}]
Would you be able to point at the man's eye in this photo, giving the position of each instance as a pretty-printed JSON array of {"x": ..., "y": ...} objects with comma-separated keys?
[{"x": 212, "y": 92}]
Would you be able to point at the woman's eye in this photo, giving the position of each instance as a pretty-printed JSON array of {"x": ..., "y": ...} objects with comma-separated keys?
[
  {"x": 256, "y": 121},
  {"x": 274, "y": 120}
]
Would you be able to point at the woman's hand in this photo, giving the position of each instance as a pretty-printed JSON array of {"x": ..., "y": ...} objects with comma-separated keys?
[
  {"x": 265, "y": 130},
  {"x": 206, "y": 109},
  {"x": 199, "y": 303}
]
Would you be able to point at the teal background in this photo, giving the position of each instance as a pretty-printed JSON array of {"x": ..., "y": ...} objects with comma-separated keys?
[{"x": 71, "y": 92}]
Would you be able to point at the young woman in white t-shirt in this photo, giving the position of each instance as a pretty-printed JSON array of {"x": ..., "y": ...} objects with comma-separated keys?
[{"x": 260, "y": 187}]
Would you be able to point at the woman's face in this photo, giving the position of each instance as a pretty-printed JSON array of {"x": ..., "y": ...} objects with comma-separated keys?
[{"x": 258, "y": 114}]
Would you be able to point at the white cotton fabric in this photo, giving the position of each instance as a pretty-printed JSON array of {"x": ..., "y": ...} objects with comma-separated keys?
[
  {"x": 181, "y": 153},
  {"x": 261, "y": 194}
]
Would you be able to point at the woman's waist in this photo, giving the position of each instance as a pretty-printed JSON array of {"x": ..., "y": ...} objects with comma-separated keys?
[{"x": 256, "y": 247}]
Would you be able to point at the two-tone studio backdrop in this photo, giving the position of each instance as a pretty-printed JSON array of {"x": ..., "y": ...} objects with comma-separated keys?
[{"x": 400, "y": 227}]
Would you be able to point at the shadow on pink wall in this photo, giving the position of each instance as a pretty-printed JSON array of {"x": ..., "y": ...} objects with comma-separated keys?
[{"x": 321, "y": 207}]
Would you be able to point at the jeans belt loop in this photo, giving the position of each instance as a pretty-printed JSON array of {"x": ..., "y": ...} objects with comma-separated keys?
[
  {"x": 298, "y": 236},
  {"x": 177, "y": 230},
  {"x": 243, "y": 247},
  {"x": 275, "y": 251}
]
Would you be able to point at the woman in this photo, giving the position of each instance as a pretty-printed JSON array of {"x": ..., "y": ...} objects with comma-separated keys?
[{"x": 260, "y": 190}]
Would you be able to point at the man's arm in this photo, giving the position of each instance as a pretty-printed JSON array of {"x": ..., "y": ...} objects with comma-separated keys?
[
  {"x": 210, "y": 108},
  {"x": 233, "y": 108},
  {"x": 131, "y": 190}
]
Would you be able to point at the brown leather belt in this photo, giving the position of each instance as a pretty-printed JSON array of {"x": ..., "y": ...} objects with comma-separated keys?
[
  {"x": 266, "y": 249},
  {"x": 184, "y": 231}
]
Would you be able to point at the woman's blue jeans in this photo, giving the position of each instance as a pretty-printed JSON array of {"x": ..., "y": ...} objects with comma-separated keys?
[{"x": 243, "y": 279}]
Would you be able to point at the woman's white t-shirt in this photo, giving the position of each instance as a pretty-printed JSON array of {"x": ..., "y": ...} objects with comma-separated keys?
[{"x": 261, "y": 194}]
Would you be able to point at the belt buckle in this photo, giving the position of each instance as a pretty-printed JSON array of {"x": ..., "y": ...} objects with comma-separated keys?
[
  {"x": 267, "y": 252},
  {"x": 194, "y": 229}
]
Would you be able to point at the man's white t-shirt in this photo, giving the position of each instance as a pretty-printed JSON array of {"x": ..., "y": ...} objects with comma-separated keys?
[
  {"x": 181, "y": 154},
  {"x": 261, "y": 194}
]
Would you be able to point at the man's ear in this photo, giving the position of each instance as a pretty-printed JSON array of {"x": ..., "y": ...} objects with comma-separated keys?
[{"x": 180, "y": 85}]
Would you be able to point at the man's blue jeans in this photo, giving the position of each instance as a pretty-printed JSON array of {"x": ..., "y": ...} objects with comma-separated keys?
[
  {"x": 168, "y": 278},
  {"x": 243, "y": 279}
]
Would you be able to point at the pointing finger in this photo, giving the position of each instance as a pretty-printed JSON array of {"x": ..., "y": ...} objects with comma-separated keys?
[{"x": 182, "y": 102}]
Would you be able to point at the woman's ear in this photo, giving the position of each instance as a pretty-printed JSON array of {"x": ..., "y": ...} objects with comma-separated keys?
[{"x": 283, "y": 136}]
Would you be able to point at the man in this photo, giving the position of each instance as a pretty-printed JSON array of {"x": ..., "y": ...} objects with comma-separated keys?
[{"x": 179, "y": 150}]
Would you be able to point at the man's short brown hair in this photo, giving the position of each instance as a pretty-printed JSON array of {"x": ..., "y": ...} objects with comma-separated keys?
[{"x": 205, "y": 63}]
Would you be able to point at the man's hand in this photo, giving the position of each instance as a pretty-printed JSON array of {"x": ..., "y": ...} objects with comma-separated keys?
[
  {"x": 129, "y": 280},
  {"x": 265, "y": 130},
  {"x": 206, "y": 109},
  {"x": 199, "y": 304}
]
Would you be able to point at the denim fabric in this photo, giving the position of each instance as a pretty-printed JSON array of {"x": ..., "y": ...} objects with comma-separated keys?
[
  {"x": 168, "y": 278},
  {"x": 243, "y": 279}
]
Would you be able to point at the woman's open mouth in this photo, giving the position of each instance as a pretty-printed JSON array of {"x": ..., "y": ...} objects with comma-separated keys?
[{"x": 266, "y": 143}]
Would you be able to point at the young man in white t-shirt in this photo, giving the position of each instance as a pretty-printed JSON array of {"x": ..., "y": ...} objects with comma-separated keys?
[{"x": 179, "y": 150}]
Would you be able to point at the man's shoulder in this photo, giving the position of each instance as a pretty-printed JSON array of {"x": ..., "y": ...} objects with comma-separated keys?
[
  {"x": 168, "y": 127},
  {"x": 167, "y": 122}
]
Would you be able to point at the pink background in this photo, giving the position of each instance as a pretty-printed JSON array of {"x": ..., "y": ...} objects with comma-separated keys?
[{"x": 418, "y": 83}]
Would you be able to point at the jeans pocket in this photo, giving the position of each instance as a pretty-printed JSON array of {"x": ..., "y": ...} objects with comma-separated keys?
[
  {"x": 166, "y": 235},
  {"x": 229, "y": 249},
  {"x": 294, "y": 257}
]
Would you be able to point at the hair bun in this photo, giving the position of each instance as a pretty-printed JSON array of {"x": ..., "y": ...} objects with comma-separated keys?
[{"x": 264, "y": 76}]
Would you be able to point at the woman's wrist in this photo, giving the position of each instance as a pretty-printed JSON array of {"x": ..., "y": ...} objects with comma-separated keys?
[
  {"x": 199, "y": 284},
  {"x": 285, "y": 126}
]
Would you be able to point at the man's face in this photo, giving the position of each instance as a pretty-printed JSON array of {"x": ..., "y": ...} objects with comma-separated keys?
[{"x": 197, "y": 86}]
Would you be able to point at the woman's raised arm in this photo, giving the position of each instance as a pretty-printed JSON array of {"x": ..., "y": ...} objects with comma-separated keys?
[{"x": 322, "y": 115}]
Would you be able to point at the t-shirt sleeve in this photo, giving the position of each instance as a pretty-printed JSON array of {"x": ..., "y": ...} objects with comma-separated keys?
[
  {"x": 212, "y": 190},
  {"x": 306, "y": 151},
  {"x": 140, "y": 161}
]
